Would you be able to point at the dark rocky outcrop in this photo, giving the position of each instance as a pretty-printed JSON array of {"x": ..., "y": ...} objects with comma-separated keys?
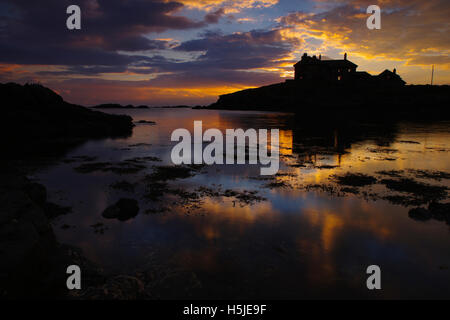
[
  {"x": 320, "y": 99},
  {"x": 38, "y": 125},
  {"x": 35, "y": 118}
]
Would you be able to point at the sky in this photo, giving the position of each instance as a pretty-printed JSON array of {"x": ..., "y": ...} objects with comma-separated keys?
[{"x": 164, "y": 52}]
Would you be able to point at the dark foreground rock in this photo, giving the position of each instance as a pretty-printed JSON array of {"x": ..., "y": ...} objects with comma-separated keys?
[
  {"x": 32, "y": 263},
  {"x": 123, "y": 210}
]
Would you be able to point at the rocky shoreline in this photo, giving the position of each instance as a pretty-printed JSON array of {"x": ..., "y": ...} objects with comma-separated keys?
[
  {"x": 40, "y": 125},
  {"x": 32, "y": 263},
  {"x": 38, "y": 121}
]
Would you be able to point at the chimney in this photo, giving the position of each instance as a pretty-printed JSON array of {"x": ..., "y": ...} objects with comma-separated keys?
[
  {"x": 394, "y": 71},
  {"x": 345, "y": 56},
  {"x": 320, "y": 57}
]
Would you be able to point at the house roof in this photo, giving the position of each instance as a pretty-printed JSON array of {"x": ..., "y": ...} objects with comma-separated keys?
[
  {"x": 339, "y": 63},
  {"x": 387, "y": 74},
  {"x": 331, "y": 63},
  {"x": 361, "y": 75}
]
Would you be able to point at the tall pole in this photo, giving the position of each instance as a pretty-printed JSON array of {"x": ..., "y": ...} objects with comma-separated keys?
[{"x": 432, "y": 74}]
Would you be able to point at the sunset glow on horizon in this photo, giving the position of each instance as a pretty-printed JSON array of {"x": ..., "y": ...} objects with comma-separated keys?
[{"x": 160, "y": 52}]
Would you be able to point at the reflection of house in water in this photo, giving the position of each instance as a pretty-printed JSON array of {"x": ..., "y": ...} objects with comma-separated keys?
[{"x": 344, "y": 71}]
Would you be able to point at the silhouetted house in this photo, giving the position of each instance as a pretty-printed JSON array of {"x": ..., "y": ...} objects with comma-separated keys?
[{"x": 313, "y": 69}]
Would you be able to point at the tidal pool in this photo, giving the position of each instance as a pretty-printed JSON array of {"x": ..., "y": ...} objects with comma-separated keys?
[{"x": 224, "y": 231}]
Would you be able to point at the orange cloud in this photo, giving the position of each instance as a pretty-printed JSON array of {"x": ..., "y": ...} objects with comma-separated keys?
[{"x": 231, "y": 6}]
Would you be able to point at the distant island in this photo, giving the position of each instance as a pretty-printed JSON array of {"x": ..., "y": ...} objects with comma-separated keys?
[
  {"x": 328, "y": 87},
  {"x": 118, "y": 106},
  {"x": 130, "y": 106}
]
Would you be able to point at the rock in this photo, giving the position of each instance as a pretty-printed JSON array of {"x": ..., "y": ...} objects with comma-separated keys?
[
  {"x": 436, "y": 210},
  {"x": 329, "y": 101},
  {"x": 420, "y": 214},
  {"x": 354, "y": 179},
  {"x": 123, "y": 210},
  {"x": 55, "y": 123},
  {"x": 29, "y": 252}
]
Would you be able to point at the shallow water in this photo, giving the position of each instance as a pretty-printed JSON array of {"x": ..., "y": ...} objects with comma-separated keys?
[{"x": 300, "y": 242}]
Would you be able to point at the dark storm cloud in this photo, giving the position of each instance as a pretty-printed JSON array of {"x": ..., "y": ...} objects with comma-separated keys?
[
  {"x": 225, "y": 60},
  {"x": 86, "y": 70},
  {"x": 220, "y": 54},
  {"x": 214, "y": 77},
  {"x": 57, "y": 55},
  {"x": 35, "y": 32},
  {"x": 246, "y": 50}
]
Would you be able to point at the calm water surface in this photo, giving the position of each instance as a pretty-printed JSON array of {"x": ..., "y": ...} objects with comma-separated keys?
[{"x": 299, "y": 242}]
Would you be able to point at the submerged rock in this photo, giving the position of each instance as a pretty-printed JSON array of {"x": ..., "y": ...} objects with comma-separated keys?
[
  {"x": 423, "y": 191},
  {"x": 440, "y": 211},
  {"x": 354, "y": 179},
  {"x": 420, "y": 214},
  {"x": 123, "y": 210},
  {"x": 165, "y": 173},
  {"x": 437, "y": 211}
]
